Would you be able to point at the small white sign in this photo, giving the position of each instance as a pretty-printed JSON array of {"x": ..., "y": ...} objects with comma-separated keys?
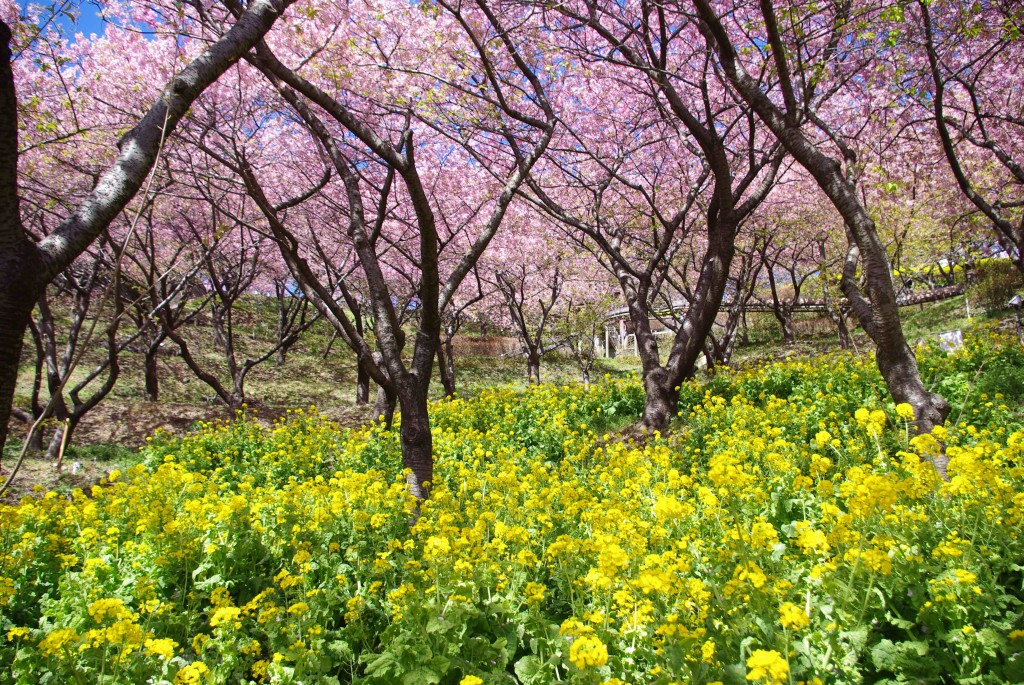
[{"x": 951, "y": 341}]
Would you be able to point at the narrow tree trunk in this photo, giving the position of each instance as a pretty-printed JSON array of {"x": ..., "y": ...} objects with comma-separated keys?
[
  {"x": 533, "y": 366},
  {"x": 220, "y": 338},
  {"x": 237, "y": 398},
  {"x": 35, "y": 443},
  {"x": 283, "y": 321},
  {"x": 417, "y": 442},
  {"x": 59, "y": 438},
  {"x": 727, "y": 348},
  {"x": 446, "y": 370},
  {"x": 786, "y": 324},
  {"x": 330, "y": 344},
  {"x": 712, "y": 353},
  {"x": 449, "y": 358},
  {"x": 61, "y": 414},
  {"x": 843, "y": 330},
  {"x": 152, "y": 373},
  {"x": 384, "y": 409},
  {"x": 362, "y": 385}
]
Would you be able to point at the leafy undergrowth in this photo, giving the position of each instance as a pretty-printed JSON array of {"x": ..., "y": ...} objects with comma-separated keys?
[{"x": 788, "y": 530}]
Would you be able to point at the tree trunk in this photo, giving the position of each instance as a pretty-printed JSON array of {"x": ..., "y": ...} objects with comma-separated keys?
[
  {"x": 661, "y": 399},
  {"x": 533, "y": 366},
  {"x": 898, "y": 367},
  {"x": 878, "y": 313},
  {"x": 417, "y": 442},
  {"x": 330, "y": 344},
  {"x": 220, "y": 338},
  {"x": 362, "y": 385},
  {"x": 843, "y": 330},
  {"x": 446, "y": 369},
  {"x": 712, "y": 353},
  {"x": 384, "y": 409},
  {"x": 152, "y": 373},
  {"x": 18, "y": 294},
  {"x": 879, "y": 317},
  {"x": 53, "y": 450},
  {"x": 785, "y": 318}
]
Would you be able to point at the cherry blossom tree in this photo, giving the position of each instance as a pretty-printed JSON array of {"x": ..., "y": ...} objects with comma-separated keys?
[
  {"x": 819, "y": 56},
  {"x": 589, "y": 295},
  {"x": 531, "y": 288},
  {"x": 162, "y": 286},
  {"x": 389, "y": 141},
  {"x": 27, "y": 265},
  {"x": 974, "y": 58},
  {"x": 674, "y": 154}
]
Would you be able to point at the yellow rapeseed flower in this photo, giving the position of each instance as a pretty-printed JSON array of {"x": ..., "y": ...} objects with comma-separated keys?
[
  {"x": 161, "y": 647},
  {"x": 588, "y": 651},
  {"x": 792, "y": 616},
  {"x": 193, "y": 674},
  {"x": 767, "y": 665}
]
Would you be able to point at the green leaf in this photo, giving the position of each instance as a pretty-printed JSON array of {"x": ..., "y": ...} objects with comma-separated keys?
[
  {"x": 528, "y": 667},
  {"x": 883, "y": 655},
  {"x": 421, "y": 676},
  {"x": 857, "y": 638}
]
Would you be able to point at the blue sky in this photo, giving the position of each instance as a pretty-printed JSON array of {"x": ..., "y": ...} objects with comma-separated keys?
[{"x": 87, "y": 18}]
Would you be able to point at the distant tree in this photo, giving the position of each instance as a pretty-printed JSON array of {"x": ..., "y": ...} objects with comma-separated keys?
[
  {"x": 974, "y": 55},
  {"x": 580, "y": 324},
  {"x": 531, "y": 288},
  {"x": 460, "y": 309},
  {"x": 670, "y": 156}
]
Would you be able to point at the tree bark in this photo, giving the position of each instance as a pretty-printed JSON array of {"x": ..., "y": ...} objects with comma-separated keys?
[
  {"x": 785, "y": 318},
  {"x": 661, "y": 399},
  {"x": 152, "y": 372},
  {"x": 19, "y": 290},
  {"x": 445, "y": 367},
  {"x": 533, "y": 366},
  {"x": 20, "y": 262},
  {"x": 362, "y": 384},
  {"x": 417, "y": 441}
]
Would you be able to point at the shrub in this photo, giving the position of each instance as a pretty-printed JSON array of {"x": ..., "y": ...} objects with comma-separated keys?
[{"x": 996, "y": 282}]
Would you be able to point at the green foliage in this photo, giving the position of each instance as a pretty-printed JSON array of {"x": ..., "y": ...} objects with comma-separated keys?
[{"x": 997, "y": 281}]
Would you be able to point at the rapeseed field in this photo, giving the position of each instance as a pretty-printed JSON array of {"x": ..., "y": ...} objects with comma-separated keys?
[{"x": 789, "y": 529}]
